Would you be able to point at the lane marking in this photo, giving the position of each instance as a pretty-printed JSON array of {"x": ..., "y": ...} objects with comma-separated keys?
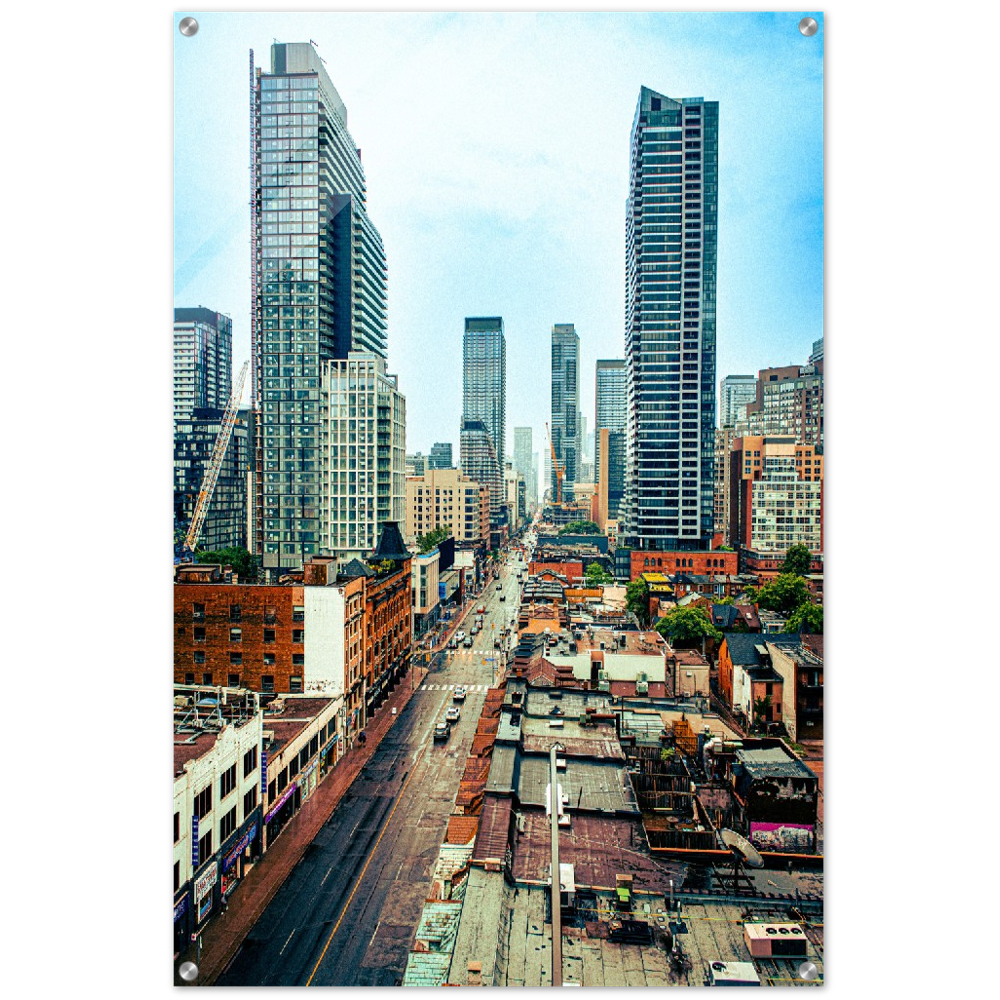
[
  {"x": 357, "y": 884},
  {"x": 285, "y": 945},
  {"x": 326, "y": 876}
]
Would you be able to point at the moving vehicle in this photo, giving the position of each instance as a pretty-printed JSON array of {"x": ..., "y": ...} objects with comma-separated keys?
[
  {"x": 499, "y": 586},
  {"x": 503, "y": 597},
  {"x": 453, "y": 643},
  {"x": 467, "y": 642},
  {"x": 441, "y": 732},
  {"x": 459, "y": 693},
  {"x": 481, "y": 609},
  {"x": 460, "y": 635},
  {"x": 452, "y": 715}
]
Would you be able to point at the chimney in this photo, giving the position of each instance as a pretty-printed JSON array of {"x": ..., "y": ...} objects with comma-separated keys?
[{"x": 474, "y": 976}]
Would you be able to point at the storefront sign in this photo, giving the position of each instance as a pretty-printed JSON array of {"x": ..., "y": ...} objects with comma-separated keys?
[
  {"x": 181, "y": 908},
  {"x": 309, "y": 770},
  {"x": 263, "y": 773},
  {"x": 239, "y": 848},
  {"x": 204, "y": 882},
  {"x": 284, "y": 798},
  {"x": 194, "y": 841}
]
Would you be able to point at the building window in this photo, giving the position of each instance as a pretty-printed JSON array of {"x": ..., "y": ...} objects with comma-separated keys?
[
  {"x": 298, "y": 614},
  {"x": 227, "y": 782},
  {"x": 249, "y": 802},
  {"x": 267, "y": 682},
  {"x": 189, "y": 678},
  {"x": 236, "y": 635},
  {"x": 269, "y": 659},
  {"x": 227, "y": 825},
  {"x": 177, "y": 875},
  {"x": 270, "y": 614},
  {"x": 235, "y": 613},
  {"x": 293, "y": 767},
  {"x": 249, "y": 762},
  {"x": 236, "y": 659},
  {"x": 283, "y": 780},
  {"x": 199, "y": 635},
  {"x": 269, "y": 635},
  {"x": 234, "y": 681},
  {"x": 298, "y": 635},
  {"x": 206, "y": 678},
  {"x": 298, "y": 659},
  {"x": 295, "y": 685},
  {"x": 203, "y": 802},
  {"x": 198, "y": 612},
  {"x": 199, "y": 656},
  {"x": 205, "y": 847},
  {"x": 177, "y": 828}
]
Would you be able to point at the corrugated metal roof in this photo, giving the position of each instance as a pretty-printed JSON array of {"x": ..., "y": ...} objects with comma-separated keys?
[
  {"x": 438, "y": 926},
  {"x": 426, "y": 969}
]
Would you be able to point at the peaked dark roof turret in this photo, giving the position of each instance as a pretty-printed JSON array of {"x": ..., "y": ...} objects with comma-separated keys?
[
  {"x": 354, "y": 569},
  {"x": 390, "y": 544}
]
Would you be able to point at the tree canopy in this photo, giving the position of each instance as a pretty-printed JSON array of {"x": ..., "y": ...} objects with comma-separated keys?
[
  {"x": 244, "y": 564},
  {"x": 687, "y": 626},
  {"x": 637, "y": 600},
  {"x": 581, "y": 528},
  {"x": 784, "y": 593},
  {"x": 433, "y": 538},
  {"x": 797, "y": 560},
  {"x": 596, "y": 575},
  {"x": 806, "y": 618}
]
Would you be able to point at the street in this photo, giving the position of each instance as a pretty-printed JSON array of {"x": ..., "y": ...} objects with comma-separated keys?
[{"x": 347, "y": 913}]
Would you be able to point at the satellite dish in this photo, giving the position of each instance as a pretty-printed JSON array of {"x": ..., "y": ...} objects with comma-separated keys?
[{"x": 740, "y": 845}]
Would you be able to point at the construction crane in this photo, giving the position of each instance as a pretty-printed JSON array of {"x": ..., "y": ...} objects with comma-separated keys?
[
  {"x": 215, "y": 463},
  {"x": 560, "y": 469}
]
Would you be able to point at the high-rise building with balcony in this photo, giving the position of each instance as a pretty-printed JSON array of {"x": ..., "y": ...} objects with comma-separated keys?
[
  {"x": 440, "y": 456},
  {"x": 788, "y": 401},
  {"x": 318, "y": 290},
  {"x": 565, "y": 413},
  {"x": 484, "y": 407},
  {"x": 671, "y": 241},
  {"x": 203, "y": 361}
]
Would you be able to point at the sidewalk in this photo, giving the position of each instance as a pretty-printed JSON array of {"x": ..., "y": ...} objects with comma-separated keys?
[{"x": 225, "y": 932}]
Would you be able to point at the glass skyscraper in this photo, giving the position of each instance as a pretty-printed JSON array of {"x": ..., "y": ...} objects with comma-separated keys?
[
  {"x": 318, "y": 287},
  {"x": 610, "y": 413},
  {"x": 484, "y": 407},
  {"x": 565, "y": 426},
  {"x": 671, "y": 240}
]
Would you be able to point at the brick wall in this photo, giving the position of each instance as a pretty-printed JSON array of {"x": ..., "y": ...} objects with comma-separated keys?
[{"x": 698, "y": 563}]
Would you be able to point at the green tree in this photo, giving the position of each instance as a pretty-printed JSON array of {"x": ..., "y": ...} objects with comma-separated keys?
[
  {"x": 797, "y": 560},
  {"x": 596, "y": 575},
  {"x": 433, "y": 538},
  {"x": 687, "y": 626},
  {"x": 784, "y": 593},
  {"x": 806, "y": 618},
  {"x": 725, "y": 600},
  {"x": 761, "y": 710},
  {"x": 581, "y": 528},
  {"x": 637, "y": 600},
  {"x": 244, "y": 564},
  {"x": 725, "y": 548}
]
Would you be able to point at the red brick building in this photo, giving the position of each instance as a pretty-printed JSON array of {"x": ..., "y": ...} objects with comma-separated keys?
[{"x": 700, "y": 563}]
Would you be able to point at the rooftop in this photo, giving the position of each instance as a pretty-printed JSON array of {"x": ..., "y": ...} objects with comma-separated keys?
[
  {"x": 772, "y": 762},
  {"x": 294, "y": 716}
]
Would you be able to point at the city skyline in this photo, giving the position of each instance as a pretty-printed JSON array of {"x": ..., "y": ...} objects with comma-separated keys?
[{"x": 510, "y": 196}]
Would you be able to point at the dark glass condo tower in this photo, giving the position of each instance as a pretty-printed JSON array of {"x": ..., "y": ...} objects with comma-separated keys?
[{"x": 671, "y": 240}]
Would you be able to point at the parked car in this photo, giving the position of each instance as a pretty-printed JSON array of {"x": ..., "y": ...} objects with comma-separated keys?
[
  {"x": 499, "y": 586},
  {"x": 453, "y": 643},
  {"x": 452, "y": 715},
  {"x": 503, "y": 597},
  {"x": 482, "y": 609},
  {"x": 441, "y": 732},
  {"x": 459, "y": 693}
]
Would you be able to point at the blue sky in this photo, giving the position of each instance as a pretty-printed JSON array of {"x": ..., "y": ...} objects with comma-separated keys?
[{"x": 495, "y": 148}]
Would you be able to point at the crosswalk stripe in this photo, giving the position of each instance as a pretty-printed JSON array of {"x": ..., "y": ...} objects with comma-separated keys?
[
  {"x": 450, "y": 686},
  {"x": 423, "y": 687}
]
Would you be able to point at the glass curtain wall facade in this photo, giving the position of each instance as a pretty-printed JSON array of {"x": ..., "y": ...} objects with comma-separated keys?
[
  {"x": 522, "y": 459},
  {"x": 734, "y": 394},
  {"x": 484, "y": 406},
  {"x": 319, "y": 287},
  {"x": 610, "y": 413},
  {"x": 203, "y": 361},
  {"x": 565, "y": 414},
  {"x": 671, "y": 242}
]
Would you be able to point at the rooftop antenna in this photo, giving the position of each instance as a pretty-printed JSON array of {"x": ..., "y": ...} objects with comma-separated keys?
[{"x": 744, "y": 855}]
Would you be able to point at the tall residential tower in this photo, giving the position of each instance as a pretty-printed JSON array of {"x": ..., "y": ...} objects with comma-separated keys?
[
  {"x": 671, "y": 240},
  {"x": 565, "y": 426},
  {"x": 610, "y": 413},
  {"x": 318, "y": 295}
]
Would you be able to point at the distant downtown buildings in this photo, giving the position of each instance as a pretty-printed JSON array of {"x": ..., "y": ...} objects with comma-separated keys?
[
  {"x": 671, "y": 239},
  {"x": 329, "y": 451},
  {"x": 610, "y": 415}
]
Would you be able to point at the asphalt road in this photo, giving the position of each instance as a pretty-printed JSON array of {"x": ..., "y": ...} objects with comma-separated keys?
[{"x": 347, "y": 914}]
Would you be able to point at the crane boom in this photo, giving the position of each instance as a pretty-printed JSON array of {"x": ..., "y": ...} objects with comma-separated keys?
[
  {"x": 215, "y": 463},
  {"x": 560, "y": 470}
]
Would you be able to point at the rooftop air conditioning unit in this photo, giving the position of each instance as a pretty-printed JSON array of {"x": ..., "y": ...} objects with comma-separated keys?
[
  {"x": 784, "y": 940},
  {"x": 733, "y": 974}
]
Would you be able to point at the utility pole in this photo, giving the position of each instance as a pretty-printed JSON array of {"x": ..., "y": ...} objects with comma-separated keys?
[{"x": 555, "y": 801}]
